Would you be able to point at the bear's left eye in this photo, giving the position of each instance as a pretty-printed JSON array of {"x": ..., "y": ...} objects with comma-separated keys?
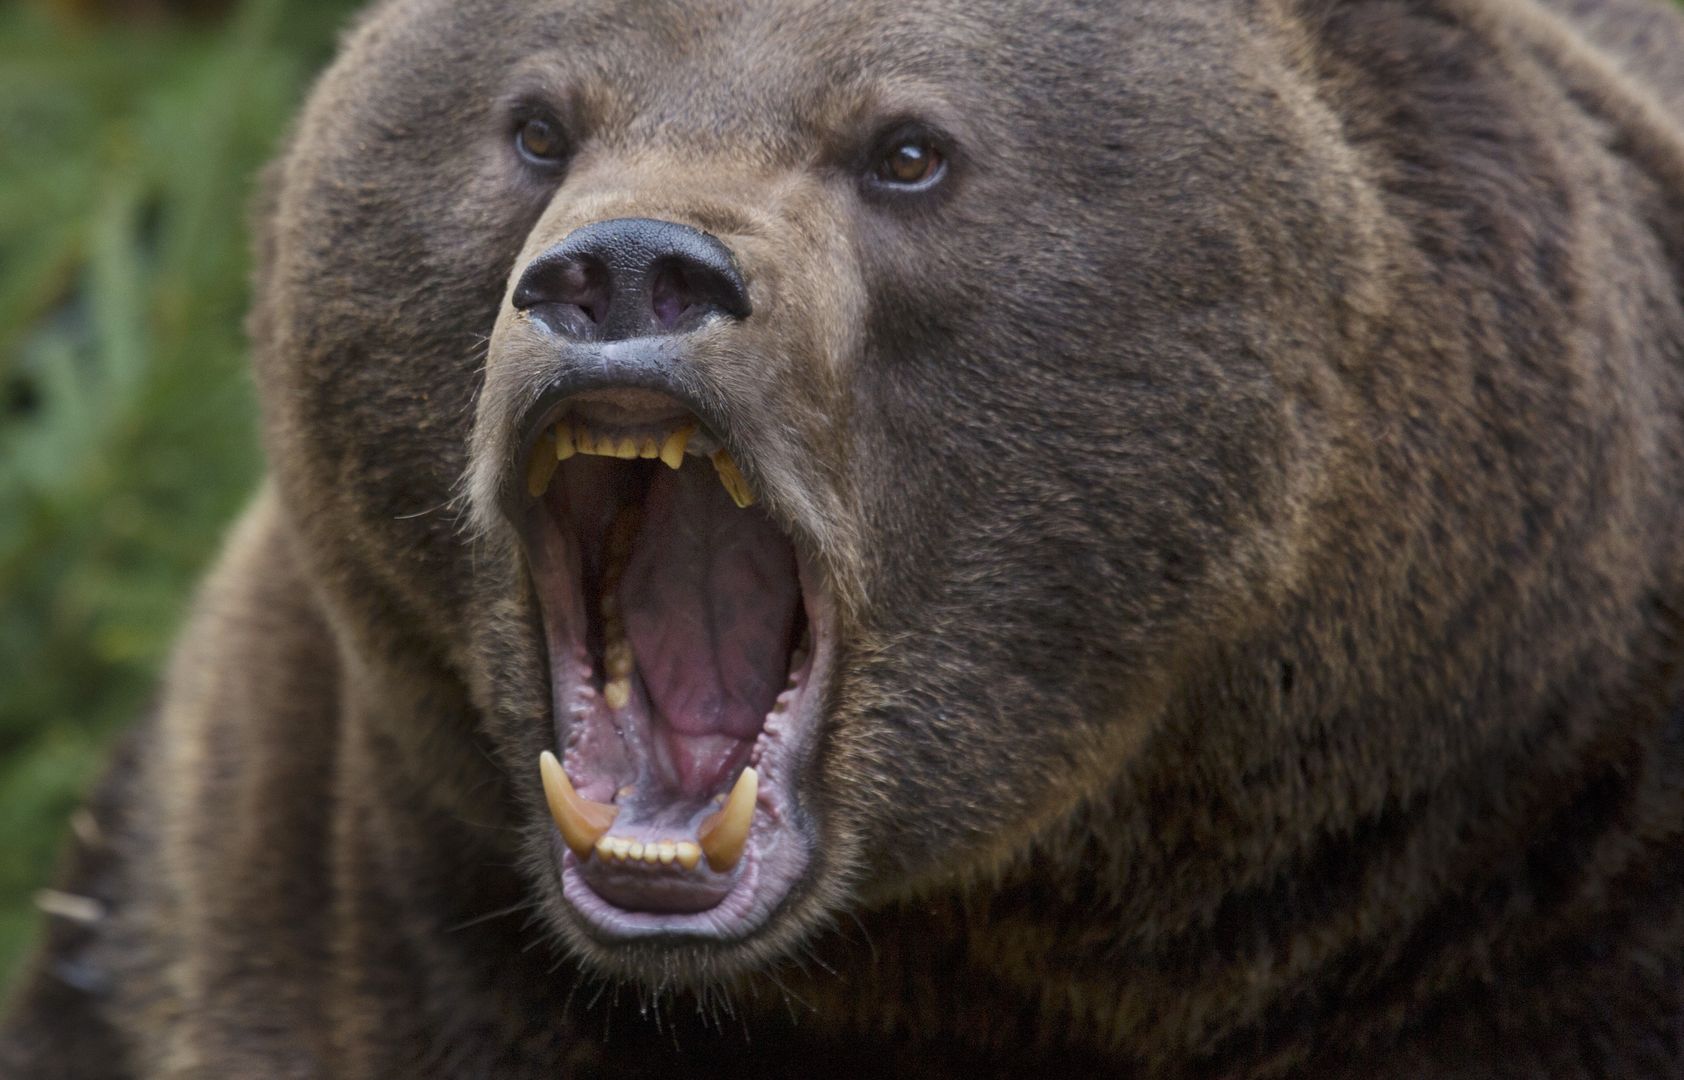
[
  {"x": 912, "y": 162},
  {"x": 541, "y": 142}
]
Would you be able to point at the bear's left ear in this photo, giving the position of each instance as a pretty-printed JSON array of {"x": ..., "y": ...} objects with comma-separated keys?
[{"x": 261, "y": 223}]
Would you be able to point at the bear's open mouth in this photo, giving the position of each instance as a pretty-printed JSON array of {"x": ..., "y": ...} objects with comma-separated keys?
[{"x": 685, "y": 635}]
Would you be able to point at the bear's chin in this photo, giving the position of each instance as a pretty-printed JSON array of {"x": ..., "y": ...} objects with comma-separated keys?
[{"x": 689, "y": 644}]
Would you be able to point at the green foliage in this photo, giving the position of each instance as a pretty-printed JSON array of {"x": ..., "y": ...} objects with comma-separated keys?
[{"x": 127, "y": 425}]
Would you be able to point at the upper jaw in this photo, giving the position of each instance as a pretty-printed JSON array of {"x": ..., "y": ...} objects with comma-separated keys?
[{"x": 641, "y": 846}]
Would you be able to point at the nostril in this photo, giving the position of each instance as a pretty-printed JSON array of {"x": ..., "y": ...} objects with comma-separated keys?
[
  {"x": 585, "y": 285},
  {"x": 574, "y": 291},
  {"x": 670, "y": 295}
]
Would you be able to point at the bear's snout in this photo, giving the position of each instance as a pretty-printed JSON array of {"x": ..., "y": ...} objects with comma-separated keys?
[{"x": 631, "y": 277}]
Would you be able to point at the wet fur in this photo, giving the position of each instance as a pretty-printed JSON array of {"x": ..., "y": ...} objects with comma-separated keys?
[{"x": 1253, "y": 493}]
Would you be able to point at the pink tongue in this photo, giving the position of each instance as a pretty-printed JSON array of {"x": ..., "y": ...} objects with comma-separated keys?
[{"x": 710, "y": 596}]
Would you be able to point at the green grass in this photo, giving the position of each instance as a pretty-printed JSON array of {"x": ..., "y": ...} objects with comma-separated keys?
[{"x": 127, "y": 434}]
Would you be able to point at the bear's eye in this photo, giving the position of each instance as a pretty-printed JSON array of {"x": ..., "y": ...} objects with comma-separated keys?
[
  {"x": 910, "y": 163},
  {"x": 540, "y": 141}
]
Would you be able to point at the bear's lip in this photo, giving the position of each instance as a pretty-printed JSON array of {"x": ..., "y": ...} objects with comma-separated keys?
[{"x": 670, "y": 550}]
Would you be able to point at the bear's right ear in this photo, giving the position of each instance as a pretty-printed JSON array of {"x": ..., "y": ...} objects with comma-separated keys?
[{"x": 260, "y": 226}]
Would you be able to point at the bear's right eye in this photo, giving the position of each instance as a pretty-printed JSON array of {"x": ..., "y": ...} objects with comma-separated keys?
[{"x": 540, "y": 141}]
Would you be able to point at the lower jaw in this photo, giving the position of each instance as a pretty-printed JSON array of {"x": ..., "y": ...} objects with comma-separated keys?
[{"x": 739, "y": 912}]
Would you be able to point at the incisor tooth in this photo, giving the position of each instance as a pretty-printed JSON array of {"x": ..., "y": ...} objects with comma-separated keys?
[
  {"x": 688, "y": 854},
  {"x": 541, "y": 467},
  {"x": 635, "y": 851},
  {"x": 667, "y": 851},
  {"x": 564, "y": 447},
  {"x": 732, "y": 478},
  {"x": 672, "y": 450},
  {"x": 648, "y": 447},
  {"x": 626, "y": 448},
  {"x": 617, "y": 692},
  {"x": 621, "y": 847},
  {"x": 724, "y": 833},
  {"x": 651, "y": 853},
  {"x": 583, "y": 440},
  {"x": 582, "y": 822}
]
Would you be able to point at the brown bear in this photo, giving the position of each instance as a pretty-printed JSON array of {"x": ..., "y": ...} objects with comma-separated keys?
[{"x": 933, "y": 538}]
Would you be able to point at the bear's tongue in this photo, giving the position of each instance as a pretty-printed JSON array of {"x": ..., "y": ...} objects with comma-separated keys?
[{"x": 710, "y": 597}]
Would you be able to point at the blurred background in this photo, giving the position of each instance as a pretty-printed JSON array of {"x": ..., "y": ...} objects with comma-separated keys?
[{"x": 131, "y": 132}]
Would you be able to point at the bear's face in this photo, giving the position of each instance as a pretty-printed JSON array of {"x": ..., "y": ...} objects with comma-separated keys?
[{"x": 869, "y": 410}]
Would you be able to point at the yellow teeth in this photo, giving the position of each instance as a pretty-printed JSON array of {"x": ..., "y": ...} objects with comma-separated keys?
[
  {"x": 617, "y": 658},
  {"x": 542, "y": 466},
  {"x": 672, "y": 450},
  {"x": 649, "y": 852},
  {"x": 617, "y": 692},
  {"x": 582, "y": 822},
  {"x": 724, "y": 833},
  {"x": 570, "y": 438},
  {"x": 732, "y": 478}
]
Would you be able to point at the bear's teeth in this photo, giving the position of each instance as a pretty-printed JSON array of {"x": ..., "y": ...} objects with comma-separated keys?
[
  {"x": 568, "y": 439},
  {"x": 672, "y": 450},
  {"x": 732, "y": 478},
  {"x": 649, "y": 852},
  {"x": 581, "y": 821},
  {"x": 724, "y": 833},
  {"x": 617, "y": 658},
  {"x": 541, "y": 467}
]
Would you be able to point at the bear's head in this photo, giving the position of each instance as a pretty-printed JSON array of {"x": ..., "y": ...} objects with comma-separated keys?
[{"x": 880, "y": 446}]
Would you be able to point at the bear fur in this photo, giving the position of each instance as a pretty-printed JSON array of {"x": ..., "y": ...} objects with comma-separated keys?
[{"x": 1251, "y": 490}]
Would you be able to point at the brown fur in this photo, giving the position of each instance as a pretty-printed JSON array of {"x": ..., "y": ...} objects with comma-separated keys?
[{"x": 1252, "y": 493}]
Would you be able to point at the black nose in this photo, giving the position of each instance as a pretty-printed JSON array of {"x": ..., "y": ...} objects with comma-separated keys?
[{"x": 631, "y": 277}]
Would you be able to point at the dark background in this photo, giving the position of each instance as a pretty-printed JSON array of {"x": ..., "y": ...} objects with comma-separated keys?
[{"x": 131, "y": 132}]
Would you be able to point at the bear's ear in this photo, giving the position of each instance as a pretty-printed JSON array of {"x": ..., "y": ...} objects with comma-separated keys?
[{"x": 260, "y": 225}]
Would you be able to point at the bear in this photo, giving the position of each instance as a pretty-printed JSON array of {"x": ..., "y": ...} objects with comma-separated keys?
[{"x": 933, "y": 538}]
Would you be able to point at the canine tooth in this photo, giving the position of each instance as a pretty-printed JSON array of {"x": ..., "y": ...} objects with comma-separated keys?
[
  {"x": 564, "y": 447},
  {"x": 688, "y": 854},
  {"x": 732, "y": 478},
  {"x": 635, "y": 851},
  {"x": 724, "y": 833},
  {"x": 667, "y": 851},
  {"x": 618, "y": 659},
  {"x": 582, "y": 822},
  {"x": 617, "y": 692},
  {"x": 541, "y": 467},
  {"x": 672, "y": 450}
]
